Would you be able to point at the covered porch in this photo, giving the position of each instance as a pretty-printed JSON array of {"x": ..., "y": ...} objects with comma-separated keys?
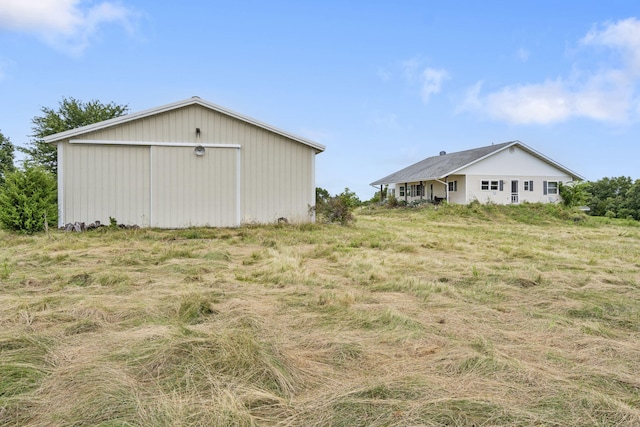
[{"x": 451, "y": 189}]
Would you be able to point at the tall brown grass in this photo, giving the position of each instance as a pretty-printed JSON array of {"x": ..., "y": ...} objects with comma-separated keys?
[{"x": 460, "y": 316}]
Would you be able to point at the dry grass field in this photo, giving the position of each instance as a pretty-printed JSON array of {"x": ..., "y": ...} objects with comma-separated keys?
[{"x": 461, "y": 316}]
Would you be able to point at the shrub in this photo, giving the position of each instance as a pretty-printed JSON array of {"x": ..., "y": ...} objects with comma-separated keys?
[
  {"x": 574, "y": 193},
  {"x": 392, "y": 201},
  {"x": 27, "y": 199},
  {"x": 336, "y": 209},
  {"x": 350, "y": 198}
]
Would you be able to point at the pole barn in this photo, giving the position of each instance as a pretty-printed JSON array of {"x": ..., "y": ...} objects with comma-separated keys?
[{"x": 186, "y": 164}]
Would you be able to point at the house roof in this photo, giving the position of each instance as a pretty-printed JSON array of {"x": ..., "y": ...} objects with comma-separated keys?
[
  {"x": 195, "y": 100},
  {"x": 439, "y": 167}
]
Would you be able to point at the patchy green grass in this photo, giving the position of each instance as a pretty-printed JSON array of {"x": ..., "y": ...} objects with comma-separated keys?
[{"x": 456, "y": 316}]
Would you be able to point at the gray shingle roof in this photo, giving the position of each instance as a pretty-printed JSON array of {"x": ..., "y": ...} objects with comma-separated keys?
[{"x": 438, "y": 167}]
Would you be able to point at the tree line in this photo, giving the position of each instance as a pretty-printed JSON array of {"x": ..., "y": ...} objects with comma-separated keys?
[{"x": 28, "y": 192}]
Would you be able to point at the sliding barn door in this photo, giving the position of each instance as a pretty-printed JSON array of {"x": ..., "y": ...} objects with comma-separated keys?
[{"x": 190, "y": 190}]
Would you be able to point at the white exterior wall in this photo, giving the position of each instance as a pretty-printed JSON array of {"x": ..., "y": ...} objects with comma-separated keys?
[
  {"x": 509, "y": 165},
  {"x": 460, "y": 194},
  {"x": 157, "y": 184},
  {"x": 506, "y": 166}
]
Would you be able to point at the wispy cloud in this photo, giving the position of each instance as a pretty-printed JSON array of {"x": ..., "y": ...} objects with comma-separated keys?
[
  {"x": 432, "y": 80},
  {"x": 385, "y": 121},
  {"x": 605, "y": 93},
  {"x": 410, "y": 68},
  {"x": 429, "y": 79},
  {"x": 67, "y": 25},
  {"x": 384, "y": 75}
]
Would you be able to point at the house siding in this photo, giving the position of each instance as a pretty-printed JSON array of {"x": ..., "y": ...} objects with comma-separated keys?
[
  {"x": 512, "y": 163},
  {"x": 475, "y": 192},
  {"x": 509, "y": 165}
]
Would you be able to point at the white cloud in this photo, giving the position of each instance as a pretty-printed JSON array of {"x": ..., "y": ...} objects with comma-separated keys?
[
  {"x": 429, "y": 79},
  {"x": 605, "y": 94},
  {"x": 67, "y": 25},
  {"x": 624, "y": 36},
  {"x": 540, "y": 103},
  {"x": 410, "y": 69},
  {"x": 432, "y": 80}
]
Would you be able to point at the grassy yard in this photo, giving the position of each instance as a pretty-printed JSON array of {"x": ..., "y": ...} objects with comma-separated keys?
[{"x": 461, "y": 316}]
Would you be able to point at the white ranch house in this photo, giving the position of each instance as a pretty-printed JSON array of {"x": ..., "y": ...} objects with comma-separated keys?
[
  {"x": 189, "y": 163},
  {"x": 506, "y": 173}
]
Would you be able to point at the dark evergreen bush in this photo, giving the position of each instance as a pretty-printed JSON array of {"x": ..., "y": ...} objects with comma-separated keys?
[{"x": 27, "y": 199}]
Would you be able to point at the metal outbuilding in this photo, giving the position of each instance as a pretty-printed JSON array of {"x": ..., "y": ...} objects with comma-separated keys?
[{"x": 189, "y": 163}]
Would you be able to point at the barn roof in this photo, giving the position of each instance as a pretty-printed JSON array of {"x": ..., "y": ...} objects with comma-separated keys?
[
  {"x": 438, "y": 167},
  {"x": 195, "y": 100}
]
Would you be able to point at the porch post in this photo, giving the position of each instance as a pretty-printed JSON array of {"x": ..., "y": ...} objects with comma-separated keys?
[
  {"x": 446, "y": 188},
  {"x": 406, "y": 193}
]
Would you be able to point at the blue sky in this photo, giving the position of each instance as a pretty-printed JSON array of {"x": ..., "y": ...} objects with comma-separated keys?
[{"x": 382, "y": 84}]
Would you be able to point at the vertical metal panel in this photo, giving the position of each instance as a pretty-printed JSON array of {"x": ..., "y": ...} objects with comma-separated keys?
[
  {"x": 102, "y": 181},
  {"x": 190, "y": 190},
  {"x": 61, "y": 167},
  {"x": 276, "y": 173},
  {"x": 277, "y": 179}
]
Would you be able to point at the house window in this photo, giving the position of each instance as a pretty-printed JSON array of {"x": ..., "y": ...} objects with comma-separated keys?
[
  {"x": 491, "y": 185},
  {"x": 528, "y": 186},
  {"x": 402, "y": 191},
  {"x": 552, "y": 187},
  {"x": 453, "y": 186},
  {"x": 416, "y": 190}
]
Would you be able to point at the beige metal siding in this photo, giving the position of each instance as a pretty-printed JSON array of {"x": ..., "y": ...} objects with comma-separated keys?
[
  {"x": 189, "y": 190},
  {"x": 276, "y": 173},
  {"x": 278, "y": 179},
  {"x": 106, "y": 181}
]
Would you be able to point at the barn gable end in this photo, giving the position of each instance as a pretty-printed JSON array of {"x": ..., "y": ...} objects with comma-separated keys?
[{"x": 190, "y": 165}]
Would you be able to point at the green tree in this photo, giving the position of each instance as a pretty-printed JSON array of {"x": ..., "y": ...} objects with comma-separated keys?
[
  {"x": 378, "y": 196},
  {"x": 6, "y": 157},
  {"x": 350, "y": 198},
  {"x": 71, "y": 114},
  {"x": 632, "y": 200},
  {"x": 607, "y": 195},
  {"x": 336, "y": 208},
  {"x": 27, "y": 199},
  {"x": 574, "y": 193},
  {"x": 322, "y": 195}
]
